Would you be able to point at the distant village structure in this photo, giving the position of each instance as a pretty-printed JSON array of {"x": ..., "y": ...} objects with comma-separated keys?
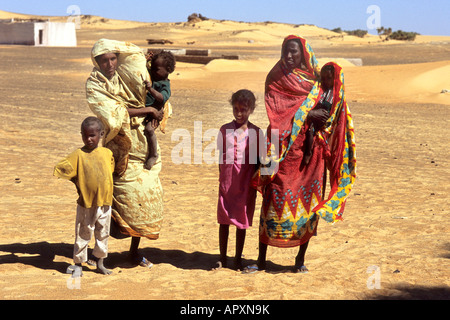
[{"x": 38, "y": 33}]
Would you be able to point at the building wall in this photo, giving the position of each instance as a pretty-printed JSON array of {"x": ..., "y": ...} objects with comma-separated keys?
[
  {"x": 17, "y": 33},
  {"x": 60, "y": 34},
  {"x": 39, "y": 33}
]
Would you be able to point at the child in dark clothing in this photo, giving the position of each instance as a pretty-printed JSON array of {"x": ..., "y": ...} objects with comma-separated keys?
[
  {"x": 158, "y": 92},
  {"x": 325, "y": 103},
  {"x": 327, "y": 83}
]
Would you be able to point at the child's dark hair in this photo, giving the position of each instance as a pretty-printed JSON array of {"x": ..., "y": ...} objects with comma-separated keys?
[
  {"x": 328, "y": 67},
  {"x": 90, "y": 121},
  {"x": 168, "y": 58},
  {"x": 244, "y": 97}
]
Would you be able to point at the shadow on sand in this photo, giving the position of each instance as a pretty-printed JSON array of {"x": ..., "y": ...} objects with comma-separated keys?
[
  {"x": 410, "y": 292},
  {"x": 42, "y": 255}
]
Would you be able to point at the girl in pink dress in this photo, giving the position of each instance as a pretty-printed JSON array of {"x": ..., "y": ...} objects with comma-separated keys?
[{"x": 237, "y": 143}]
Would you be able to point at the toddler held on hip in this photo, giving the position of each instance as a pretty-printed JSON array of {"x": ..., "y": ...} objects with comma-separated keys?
[{"x": 158, "y": 93}]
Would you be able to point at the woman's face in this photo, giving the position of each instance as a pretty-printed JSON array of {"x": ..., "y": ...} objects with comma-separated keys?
[
  {"x": 108, "y": 64},
  {"x": 292, "y": 54}
]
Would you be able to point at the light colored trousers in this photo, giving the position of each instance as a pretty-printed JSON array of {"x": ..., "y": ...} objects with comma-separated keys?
[{"x": 95, "y": 220}]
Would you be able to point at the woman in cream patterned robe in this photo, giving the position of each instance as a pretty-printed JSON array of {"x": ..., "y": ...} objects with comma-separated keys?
[{"x": 116, "y": 94}]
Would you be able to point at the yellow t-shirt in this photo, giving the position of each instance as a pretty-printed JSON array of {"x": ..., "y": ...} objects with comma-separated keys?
[{"x": 91, "y": 171}]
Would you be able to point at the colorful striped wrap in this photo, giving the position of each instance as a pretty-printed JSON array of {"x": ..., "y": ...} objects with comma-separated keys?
[{"x": 293, "y": 193}]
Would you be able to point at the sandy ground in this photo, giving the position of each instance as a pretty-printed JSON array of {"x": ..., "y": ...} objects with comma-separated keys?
[{"x": 396, "y": 217}]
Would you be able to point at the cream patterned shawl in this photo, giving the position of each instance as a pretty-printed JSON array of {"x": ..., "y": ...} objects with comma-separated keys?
[{"x": 137, "y": 206}]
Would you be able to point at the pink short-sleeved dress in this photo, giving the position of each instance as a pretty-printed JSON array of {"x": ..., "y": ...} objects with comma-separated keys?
[{"x": 237, "y": 163}]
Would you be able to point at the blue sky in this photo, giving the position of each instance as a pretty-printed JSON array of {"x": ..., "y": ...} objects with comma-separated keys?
[{"x": 428, "y": 17}]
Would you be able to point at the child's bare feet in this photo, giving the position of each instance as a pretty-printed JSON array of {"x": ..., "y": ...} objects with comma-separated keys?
[
  {"x": 101, "y": 268},
  {"x": 238, "y": 264}
]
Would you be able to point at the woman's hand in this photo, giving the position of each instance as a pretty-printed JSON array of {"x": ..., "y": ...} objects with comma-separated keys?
[
  {"x": 318, "y": 117},
  {"x": 158, "y": 114}
]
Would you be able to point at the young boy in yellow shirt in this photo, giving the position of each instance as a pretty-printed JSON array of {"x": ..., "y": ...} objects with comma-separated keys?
[{"x": 90, "y": 168}]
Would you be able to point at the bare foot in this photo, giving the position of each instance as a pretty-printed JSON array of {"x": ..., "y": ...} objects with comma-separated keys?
[
  {"x": 238, "y": 264},
  {"x": 101, "y": 268}
]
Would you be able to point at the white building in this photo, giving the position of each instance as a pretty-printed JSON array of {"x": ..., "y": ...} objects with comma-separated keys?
[{"x": 35, "y": 33}]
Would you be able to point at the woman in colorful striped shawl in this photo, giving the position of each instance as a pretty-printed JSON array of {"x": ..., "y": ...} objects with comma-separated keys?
[
  {"x": 116, "y": 94},
  {"x": 293, "y": 193}
]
